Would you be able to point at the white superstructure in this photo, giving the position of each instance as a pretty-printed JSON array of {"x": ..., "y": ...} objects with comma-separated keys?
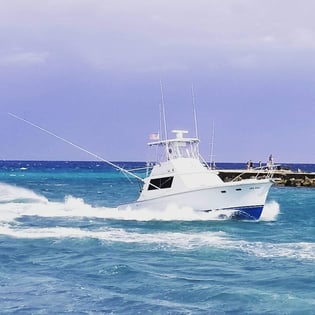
[{"x": 182, "y": 178}]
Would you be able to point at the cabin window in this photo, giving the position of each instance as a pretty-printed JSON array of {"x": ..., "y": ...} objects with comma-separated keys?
[{"x": 164, "y": 182}]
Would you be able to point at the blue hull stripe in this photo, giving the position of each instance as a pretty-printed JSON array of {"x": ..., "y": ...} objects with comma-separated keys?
[{"x": 245, "y": 213}]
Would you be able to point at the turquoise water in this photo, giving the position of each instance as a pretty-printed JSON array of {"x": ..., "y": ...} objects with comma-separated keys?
[{"x": 66, "y": 249}]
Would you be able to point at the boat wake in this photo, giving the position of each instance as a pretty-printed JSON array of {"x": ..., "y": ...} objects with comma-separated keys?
[
  {"x": 170, "y": 241},
  {"x": 10, "y": 193},
  {"x": 16, "y": 202}
]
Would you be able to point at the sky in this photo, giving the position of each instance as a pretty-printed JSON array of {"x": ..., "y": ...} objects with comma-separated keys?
[{"x": 90, "y": 71}]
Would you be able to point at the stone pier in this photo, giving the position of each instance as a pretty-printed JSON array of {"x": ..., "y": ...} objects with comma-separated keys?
[{"x": 280, "y": 177}]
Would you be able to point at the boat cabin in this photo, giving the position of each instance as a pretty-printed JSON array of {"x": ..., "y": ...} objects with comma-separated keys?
[{"x": 179, "y": 168}]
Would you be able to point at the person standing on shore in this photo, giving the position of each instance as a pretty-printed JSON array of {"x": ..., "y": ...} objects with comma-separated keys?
[{"x": 270, "y": 162}]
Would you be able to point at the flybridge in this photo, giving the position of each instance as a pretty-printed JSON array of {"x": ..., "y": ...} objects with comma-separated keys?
[
  {"x": 179, "y": 138},
  {"x": 179, "y": 147}
]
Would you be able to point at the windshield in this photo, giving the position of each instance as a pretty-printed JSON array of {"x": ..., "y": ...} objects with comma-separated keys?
[{"x": 183, "y": 149}]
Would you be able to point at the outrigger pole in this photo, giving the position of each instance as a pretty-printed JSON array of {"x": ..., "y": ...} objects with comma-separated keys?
[
  {"x": 195, "y": 112},
  {"x": 77, "y": 146}
]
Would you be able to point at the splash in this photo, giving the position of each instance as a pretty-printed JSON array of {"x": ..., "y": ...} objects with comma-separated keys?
[
  {"x": 9, "y": 193},
  {"x": 270, "y": 212},
  {"x": 76, "y": 207},
  {"x": 172, "y": 212},
  {"x": 16, "y": 202},
  {"x": 11, "y": 207}
]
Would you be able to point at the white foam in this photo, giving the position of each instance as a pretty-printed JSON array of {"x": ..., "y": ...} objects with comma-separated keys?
[
  {"x": 16, "y": 202},
  {"x": 171, "y": 240},
  {"x": 76, "y": 207},
  {"x": 9, "y": 193},
  {"x": 11, "y": 208},
  {"x": 172, "y": 212},
  {"x": 301, "y": 250},
  {"x": 71, "y": 207},
  {"x": 270, "y": 212}
]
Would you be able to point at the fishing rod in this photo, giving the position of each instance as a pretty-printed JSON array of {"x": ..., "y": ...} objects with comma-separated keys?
[{"x": 77, "y": 146}]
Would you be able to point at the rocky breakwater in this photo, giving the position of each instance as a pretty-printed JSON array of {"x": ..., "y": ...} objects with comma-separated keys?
[{"x": 280, "y": 177}]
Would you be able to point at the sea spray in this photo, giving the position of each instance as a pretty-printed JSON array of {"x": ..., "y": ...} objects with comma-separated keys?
[
  {"x": 12, "y": 204},
  {"x": 11, "y": 193},
  {"x": 271, "y": 211}
]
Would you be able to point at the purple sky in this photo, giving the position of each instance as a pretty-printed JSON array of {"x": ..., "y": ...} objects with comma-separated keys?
[{"x": 90, "y": 71}]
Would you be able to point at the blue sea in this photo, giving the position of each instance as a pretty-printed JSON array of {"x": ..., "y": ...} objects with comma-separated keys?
[{"x": 65, "y": 248}]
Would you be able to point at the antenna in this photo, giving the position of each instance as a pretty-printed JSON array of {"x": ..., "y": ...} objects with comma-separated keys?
[
  {"x": 195, "y": 113},
  {"x": 160, "y": 126},
  {"x": 163, "y": 111},
  {"x": 212, "y": 163},
  {"x": 164, "y": 119},
  {"x": 76, "y": 146}
]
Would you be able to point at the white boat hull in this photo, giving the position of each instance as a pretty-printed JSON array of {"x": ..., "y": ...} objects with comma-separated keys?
[{"x": 247, "y": 199}]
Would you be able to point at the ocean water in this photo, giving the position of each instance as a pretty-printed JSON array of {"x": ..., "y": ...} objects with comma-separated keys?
[{"x": 66, "y": 249}]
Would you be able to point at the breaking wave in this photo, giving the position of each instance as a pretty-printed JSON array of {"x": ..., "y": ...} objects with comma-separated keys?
[
  {"x": 17, "y": 202},
  {"x": 9, "y": 193},
  {"x": 171, "y": 240}
]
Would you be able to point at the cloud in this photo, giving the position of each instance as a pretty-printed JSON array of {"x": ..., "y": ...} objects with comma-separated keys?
[
  {"x": 140, "y": 34},
  {"x": 23, "y": 58},
  {"x": 303, "y": 39}
]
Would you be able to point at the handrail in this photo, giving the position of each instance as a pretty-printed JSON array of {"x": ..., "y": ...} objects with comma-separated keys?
[{"x": 269, "y": 173}]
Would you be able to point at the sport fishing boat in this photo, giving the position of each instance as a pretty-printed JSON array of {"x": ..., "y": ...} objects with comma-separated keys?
[{"x": 182, "y": 178}]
